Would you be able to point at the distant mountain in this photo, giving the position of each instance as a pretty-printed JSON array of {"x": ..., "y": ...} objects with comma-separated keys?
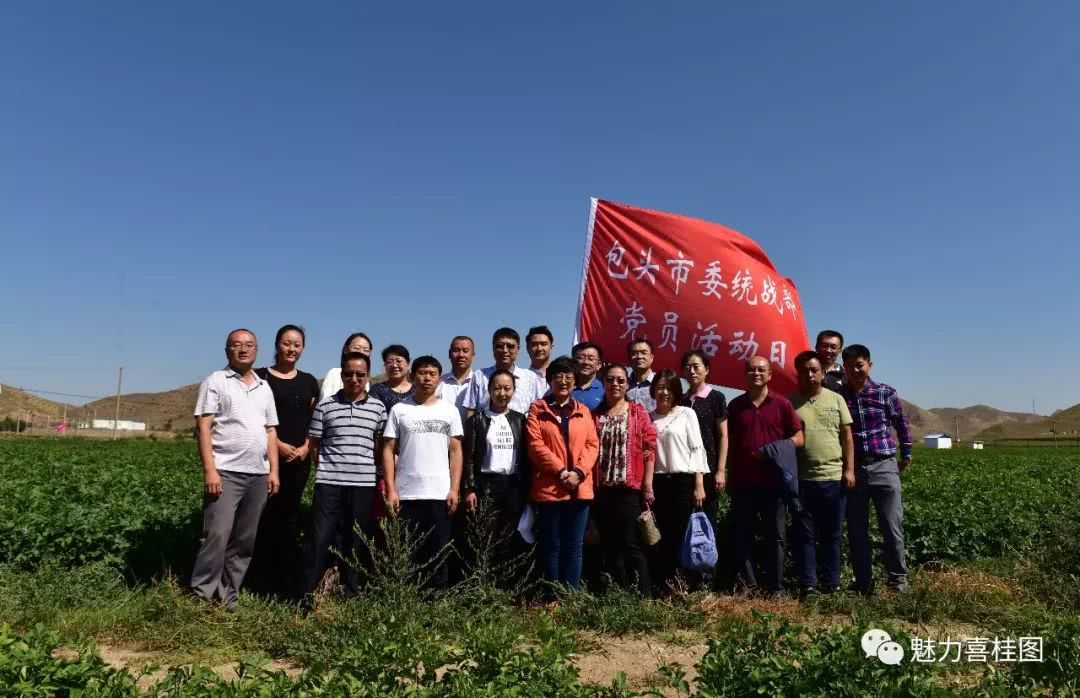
[
  {"x": 972, "y": 421},
  {"x": 1063, "y": 423},
  {"x": 13, "y": 400}
]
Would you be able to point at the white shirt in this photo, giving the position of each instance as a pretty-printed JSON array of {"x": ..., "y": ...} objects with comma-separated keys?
[
  {"x": 501, "y": 456},
  {"x": 423, "y": 434},
  {"x": 241, "y": 414},
  {"x": 453, "y": 392},
  {"x": 331, "y": 384},
  {"x": 527, "y": 390},
  {"x": 679, "y": 448},
  {"x": 541, "y": 373}
]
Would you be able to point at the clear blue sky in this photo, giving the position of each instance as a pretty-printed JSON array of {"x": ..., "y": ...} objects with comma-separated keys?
[{"x": 172, "y": 170}]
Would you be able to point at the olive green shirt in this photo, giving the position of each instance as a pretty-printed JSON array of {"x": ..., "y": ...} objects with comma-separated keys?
[{"x": 822, "y": 457}]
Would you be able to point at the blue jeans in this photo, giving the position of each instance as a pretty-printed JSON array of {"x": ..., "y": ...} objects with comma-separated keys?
[
  {"x": 819, "y": 528},
  {"x": 562, "y": 529},
  {"x": 878, "y": 483}
]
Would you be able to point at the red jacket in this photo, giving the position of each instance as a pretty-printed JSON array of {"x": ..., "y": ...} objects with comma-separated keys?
[
  {"x": 640, "y": 444},
  {"x": 547, "y": 452}
]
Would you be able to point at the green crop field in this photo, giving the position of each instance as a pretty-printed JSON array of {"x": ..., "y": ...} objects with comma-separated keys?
[{"x": 97, "y": 537}]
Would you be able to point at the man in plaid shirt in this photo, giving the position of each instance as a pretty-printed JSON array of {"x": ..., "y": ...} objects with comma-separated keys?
[{"x": 875, "y": 412}]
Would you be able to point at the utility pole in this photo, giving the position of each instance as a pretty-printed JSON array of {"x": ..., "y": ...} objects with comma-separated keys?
[
  {"x": 18, "y": 412},
  {"x": 119, "y": 385},
  {"x": 957, "y": 422},
  {"x": 1053, "y": 429}
]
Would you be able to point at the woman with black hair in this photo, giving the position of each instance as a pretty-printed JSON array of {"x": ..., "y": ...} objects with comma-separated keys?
[
  {"x": 277, "y": 553},
  {"x": 356, "y": 342}
]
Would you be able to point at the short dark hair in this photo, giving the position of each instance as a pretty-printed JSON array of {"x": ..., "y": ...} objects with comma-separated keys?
[
  {"x": 540, "y": 329},
  {"x": 806, "y": 357},
  {"x": 461, "y": 337},
  {"x": 632, "y": 342},
  {"x": 355, "y": 356},
  {"x": 825, "y": 334},
  {"x": 239, "y": 329},
  {"x": 425, "y": 362},
  {"x": 288, "y": 328},
  {"x": 395, "y": 350},
  {"x": 582, "y": 346},
  {"x": 563, "y": 364},
  {"x": 354, "y": 335},
  {"x": 671, "y": 380},
  {"x": 608, "y": 368},
  {"x": 691, "y": 354},
  {"x": 856, "y": 352},
  {"x": 501, "y": 372},
  {"x": 506, "y": 333}
]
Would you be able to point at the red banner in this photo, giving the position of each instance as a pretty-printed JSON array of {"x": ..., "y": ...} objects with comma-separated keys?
[{"x": 684, "y": 283}]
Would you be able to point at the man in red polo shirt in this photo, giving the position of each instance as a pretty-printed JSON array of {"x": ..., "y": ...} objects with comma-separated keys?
[{"x": 756, "y": 418}]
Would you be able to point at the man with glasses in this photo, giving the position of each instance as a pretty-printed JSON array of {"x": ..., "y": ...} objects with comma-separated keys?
[
  {"x": 755, "y": 419},
  {"x": 641, "y": 374},
  {"x": 829, "y": 345},
  {"x": 528, "y": 388},
  {"x": 235, "y": 418},
  {"x": 345, "y": 429},
  {"x": 587, "y": 359}
]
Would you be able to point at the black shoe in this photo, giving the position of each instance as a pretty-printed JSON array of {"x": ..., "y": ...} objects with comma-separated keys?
[
  {"x": 830, "y": 589},
  {"x": 807, "y": 592},
  {"x": 862, "y": 591}
]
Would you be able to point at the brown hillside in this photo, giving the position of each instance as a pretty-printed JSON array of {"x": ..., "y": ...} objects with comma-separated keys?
[
  {"x": 975, "y": 419},
  {"x": 13, "y": 400},
  {"x": 1064, "y": 422},
  {"x": 171, "y": 409}
]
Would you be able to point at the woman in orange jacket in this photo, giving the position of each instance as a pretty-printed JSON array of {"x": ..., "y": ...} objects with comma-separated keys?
[{"x": 561, "y": 437}]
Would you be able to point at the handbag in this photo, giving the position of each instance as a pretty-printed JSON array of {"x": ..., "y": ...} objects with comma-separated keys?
[{"x": 650, "y": 533}]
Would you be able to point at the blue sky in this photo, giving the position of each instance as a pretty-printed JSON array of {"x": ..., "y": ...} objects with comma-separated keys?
[{"x": 172, "y": 170}]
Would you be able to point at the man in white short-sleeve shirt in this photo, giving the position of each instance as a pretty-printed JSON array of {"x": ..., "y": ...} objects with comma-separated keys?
[
  {"x": 528, "y": 388},
  {"x": 235, "y": 417},
  {"x": 422, "y": 486},
  {"x": 455, "y": 384}
]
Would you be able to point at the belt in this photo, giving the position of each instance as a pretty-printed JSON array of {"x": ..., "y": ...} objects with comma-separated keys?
[{"x": 875, "y": 458}]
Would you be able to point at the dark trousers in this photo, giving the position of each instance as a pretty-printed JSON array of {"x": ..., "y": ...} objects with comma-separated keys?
[
  {"x": 504, "y": 494},
  {"x": 819, "y": 528},
  {"x": 276, "y": 565},
  {"x": 748, "y": 504},
  {"x": 429, "y": 519},
  {"x": 335, "y": 512},
  {"x": 879, "y": 483},
  {"x": 617, "y": 511},
  {"x": 673, "y": 507},
  {"x": 561, "y": 526}
]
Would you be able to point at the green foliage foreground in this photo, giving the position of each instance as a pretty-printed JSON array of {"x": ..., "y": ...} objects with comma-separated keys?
[{"x": 94, "y": 536}]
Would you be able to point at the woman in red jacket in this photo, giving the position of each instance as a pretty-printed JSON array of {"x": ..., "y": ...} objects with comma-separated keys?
[
  {"x": 624, "y": 480},
  {"x": 562, "y": 444}
]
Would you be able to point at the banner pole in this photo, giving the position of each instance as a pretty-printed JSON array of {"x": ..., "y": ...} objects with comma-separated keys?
[{"x": 585, "y": 268}]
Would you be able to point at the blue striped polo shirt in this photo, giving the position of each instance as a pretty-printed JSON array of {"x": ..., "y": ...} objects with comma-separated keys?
[{"x": 348, "y": 434}]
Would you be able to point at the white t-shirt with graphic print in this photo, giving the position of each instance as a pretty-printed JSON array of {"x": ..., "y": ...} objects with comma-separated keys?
[
  {"x": 423, "y": 434},
  {"x": 502, "y": 452}
]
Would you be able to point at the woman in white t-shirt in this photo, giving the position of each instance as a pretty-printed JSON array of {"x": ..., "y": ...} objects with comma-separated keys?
[
  {"x": 495, "y": 470},
  {"x": 679, "y": 475},
  {"x": 357, "y": 342}
]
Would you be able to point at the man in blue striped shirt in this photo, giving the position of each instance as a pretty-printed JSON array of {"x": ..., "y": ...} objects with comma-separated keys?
[{"x": 346, "y": 429}]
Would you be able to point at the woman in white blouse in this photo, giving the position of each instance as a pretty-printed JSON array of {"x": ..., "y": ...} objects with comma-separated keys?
[
  {"x": 679, "y": 476},
  {"x": 357, "y": 342}
]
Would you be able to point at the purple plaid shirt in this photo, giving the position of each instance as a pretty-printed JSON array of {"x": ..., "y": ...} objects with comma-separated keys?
[{"x": 875, "y": 412}]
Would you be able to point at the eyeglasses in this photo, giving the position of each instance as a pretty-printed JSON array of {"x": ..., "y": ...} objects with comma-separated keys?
[
  {"x": 358, "y": 375},
  {"x": 395, "y": 361},
  {"x": 615, "y": 379},
  {"x": 237, "y": 346}
]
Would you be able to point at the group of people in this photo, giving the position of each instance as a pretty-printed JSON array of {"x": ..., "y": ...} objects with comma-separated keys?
[{"x": 583, "y": 443}]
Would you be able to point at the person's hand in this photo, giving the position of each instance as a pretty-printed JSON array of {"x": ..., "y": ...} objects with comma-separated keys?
[
  {"x": 301, "y": 452},
  {"x": 721, "y": 481},
  {"x": 903, "y": 463},
  {"x": 699, "y": 494},
  {"x": 849, "y": 480},
  {"x": 470, "y": 501},
  {"x": 393, "y": 502},
  {"x": 212, "y": 483},
  {"x": 273, "y": 484},
  {"x": 647, "y": 496},
  {"x": 287, "y": 451},
  {"x": 451, "y": 502},
  {"x": 570, "y": 479}
]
